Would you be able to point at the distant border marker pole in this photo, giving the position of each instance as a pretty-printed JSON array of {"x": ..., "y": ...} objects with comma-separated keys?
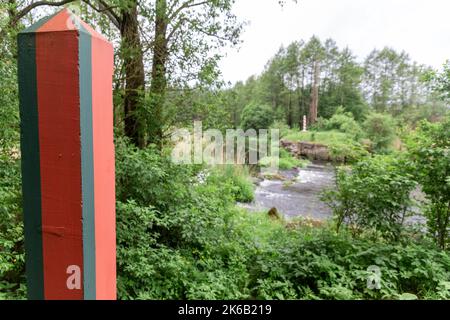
[{"x": 65, "y": 88}]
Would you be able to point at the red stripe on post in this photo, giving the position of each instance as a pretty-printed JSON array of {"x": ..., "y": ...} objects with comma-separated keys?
[{"x": 60, "y": 156}]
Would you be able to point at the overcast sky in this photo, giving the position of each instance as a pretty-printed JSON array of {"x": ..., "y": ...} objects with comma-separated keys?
[{"x": 420, "y": 27}]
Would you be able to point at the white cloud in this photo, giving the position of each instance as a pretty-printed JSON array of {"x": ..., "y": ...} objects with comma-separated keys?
[{"x": 420, "y": 27}]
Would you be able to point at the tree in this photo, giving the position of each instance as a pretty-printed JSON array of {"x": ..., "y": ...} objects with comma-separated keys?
[
  {"x": 316, "y": 53},
  {"x": 392, "y": 82},
  {"x": 272, "y": 81},
  {"x": 440, "y": 81},
  {"x": 184, "y": 38},
  {"x": 342, "y": 85},
  {"x": 302, "y": 74}
]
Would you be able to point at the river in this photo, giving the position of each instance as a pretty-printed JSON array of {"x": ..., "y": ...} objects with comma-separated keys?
[{"x": 298, "y": 194}]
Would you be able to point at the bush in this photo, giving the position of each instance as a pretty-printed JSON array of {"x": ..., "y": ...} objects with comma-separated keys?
[
  {"x": 12, "y": 257},
  {"x": 347, "y": 150},
  {"x": 380, "y": 129},
  {"x": 238, "y": 178},
  {"x": 317, "y": 263},
  {"x": 343, "y": 122},
  {"x": 255, "y": 116},
  {"x": 373, "y": 195},
  {"x": 429, "y": 152},
  {"x": 178, "y": 242},
  {"x": 205, "y": 248},
  {"x": 282, "y": 127}
]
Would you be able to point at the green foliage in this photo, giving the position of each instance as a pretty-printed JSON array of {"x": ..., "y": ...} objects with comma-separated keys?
[
  {"x": 343, "y": 122},
  {"x": 255, "y": 116},
  {"x": 380, "y": 129},
  {"x": 175, "y": 242},
  {"x": 391, "y": 82},
  {"x": 342, "y": 147},
  {"x": 429, "y": 152},
  {"x": 440, "y": 81},
  {"x": 323, "y": 137},
  {"x": 179, "y": 233},
  {"x": 374, "y": 195},
  {"x": 172, "y": 240},
  {"x": 286, "y": 161},
  {"x": 434, "y": 112},
  {"x": 12, "y": 258},
  {"x": 282, "y": 127},
  {"x": 238, "y": 178},
  {"x": 204, "y": 248},
  {"x": 320, "y": 264},
  {"x": 348, "y": 150}
]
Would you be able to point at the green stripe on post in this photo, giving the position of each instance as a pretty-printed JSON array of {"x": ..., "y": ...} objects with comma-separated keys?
[
  {"x": 31, "y": 181},
  {"x": 87, "y": 163}
]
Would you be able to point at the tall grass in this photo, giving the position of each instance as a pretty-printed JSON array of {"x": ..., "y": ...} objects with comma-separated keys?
[{"x": 323, "y": 137}]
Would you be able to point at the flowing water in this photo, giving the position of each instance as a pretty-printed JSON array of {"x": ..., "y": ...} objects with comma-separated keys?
[{"x": 298, "y": 194}]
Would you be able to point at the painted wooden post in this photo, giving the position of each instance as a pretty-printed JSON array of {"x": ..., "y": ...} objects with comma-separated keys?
[
  {"x": 304, "y": 124},
  {"x": 67, "y": 150}
]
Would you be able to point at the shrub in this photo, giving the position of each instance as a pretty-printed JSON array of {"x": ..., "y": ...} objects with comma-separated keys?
[
  {"x": 12, "y": 257},
  {"x": 380, "y": 129},
  {"x": 374, "y": 194},
  {"x": 344, "y": 122},
  {"x": 238, "y": 178},
  {"x": 198, "y": 245},
  {"x": 347, "y": 150},
  {"x": 255, "y": 116},
  {"x": 282, "y": 127},
  {"x": 170, "y": 235},
  {"x": 429, "y": 151},
  {"x": 317, "y": 263}
]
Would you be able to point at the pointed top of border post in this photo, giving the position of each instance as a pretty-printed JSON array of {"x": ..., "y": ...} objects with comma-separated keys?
[{"x": 63, "y": 20}]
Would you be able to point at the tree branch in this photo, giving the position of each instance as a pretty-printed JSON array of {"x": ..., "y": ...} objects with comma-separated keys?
[
  {"x": 107, "y": 10},
  {"x": 175, "y": 28},
  {"x": 30, "y": 7},
  {"x": 186, "y": 5},
  {"x": 117, "y": 21}
]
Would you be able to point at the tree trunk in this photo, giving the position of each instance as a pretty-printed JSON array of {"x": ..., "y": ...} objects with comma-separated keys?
[
  {"x": 301, "y": 101},
  {"x": 134, "y": 75},
  {"x": 158, "y": 81},
  {"x": 290, "y": 120},
  {"x": 313, "y": 110}
]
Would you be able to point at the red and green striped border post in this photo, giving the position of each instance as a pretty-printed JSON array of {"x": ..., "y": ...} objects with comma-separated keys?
[{"x": 67, "y": 150}]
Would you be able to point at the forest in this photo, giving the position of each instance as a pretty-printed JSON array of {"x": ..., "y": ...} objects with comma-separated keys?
[{"x": 381, "y": 125}]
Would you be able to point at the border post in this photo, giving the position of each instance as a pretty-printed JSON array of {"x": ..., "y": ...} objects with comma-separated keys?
[{"x": 65, "y": 88}]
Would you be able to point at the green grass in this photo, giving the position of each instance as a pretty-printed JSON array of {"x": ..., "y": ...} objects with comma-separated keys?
[{"x": 323, "y": 137}]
